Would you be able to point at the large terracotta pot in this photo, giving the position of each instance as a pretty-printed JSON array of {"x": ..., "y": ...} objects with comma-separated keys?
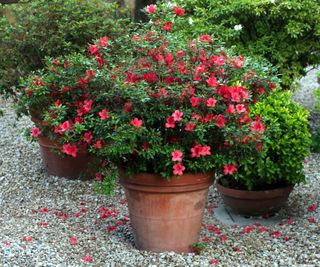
[
  {"x": 80, "y": 167},
  {"x": 166, "y": 215},
  {"x": 254, "y": 203}
]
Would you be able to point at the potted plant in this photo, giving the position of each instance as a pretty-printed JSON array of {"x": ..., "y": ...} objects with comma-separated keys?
[
  {"x": 61, "y": 101},
  {"x": 263, "y": 183},
  {"x": 175, "y": 108}
]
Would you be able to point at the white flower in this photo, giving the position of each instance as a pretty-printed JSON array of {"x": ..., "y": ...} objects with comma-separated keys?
[
  {"x": 190, "y": 20},
  {"x": 238, "y": 27}
]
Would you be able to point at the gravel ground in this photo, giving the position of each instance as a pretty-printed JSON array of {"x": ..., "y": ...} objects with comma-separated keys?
[{"x": 51, "y": 221}]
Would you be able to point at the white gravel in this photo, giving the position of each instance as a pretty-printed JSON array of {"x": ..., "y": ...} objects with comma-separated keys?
[{"x": 39, "y": 214}]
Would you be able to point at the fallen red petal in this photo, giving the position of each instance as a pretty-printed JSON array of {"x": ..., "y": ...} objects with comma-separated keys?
[
  {"x": 73, "y": 240},
  {"x": 87, "y": 258},
  {"x": 213, "y": 261}
]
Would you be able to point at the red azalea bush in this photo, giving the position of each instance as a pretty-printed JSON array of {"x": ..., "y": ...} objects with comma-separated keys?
[{"x": 179, "y": 106}]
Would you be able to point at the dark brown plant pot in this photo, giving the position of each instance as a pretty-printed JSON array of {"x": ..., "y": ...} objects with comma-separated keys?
[
  {"x": 254, "y": 203},
  {"x": 80, "y": 167},
  {"x": 166, "y": 215}
]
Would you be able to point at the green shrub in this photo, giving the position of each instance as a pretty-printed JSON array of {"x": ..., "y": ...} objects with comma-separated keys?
[
  {"x": 285, "y": 32},
  {"x": 52, "y": 28},
  {"x": 284, "y": 148}
]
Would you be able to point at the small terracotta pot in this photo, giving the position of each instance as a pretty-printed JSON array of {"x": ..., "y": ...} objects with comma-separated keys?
[
  {"x": 65, "y": 166},
  {"x": 166, "y": 215},
  {"x": 254, "y": 203}
]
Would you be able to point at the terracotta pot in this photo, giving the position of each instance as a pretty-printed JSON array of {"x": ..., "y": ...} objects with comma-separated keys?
[
  {"x": 66, "y": 166},
  {"x": 166, "y": 215},
  {"x": 254, "y": 203}
]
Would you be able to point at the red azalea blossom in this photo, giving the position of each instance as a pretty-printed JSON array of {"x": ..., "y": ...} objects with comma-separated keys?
[
  {"x": 211, "y": 102},
  {"x": 220, "y": 120},
  {"x": 205, "y": 37},
  {"x": 195, "y": 101},
  {"x": 43, "y": 210},
  {"x": 212, "y": 81},
  {"x": 88, "y": 137},
  {"x": 189, "y": 127},
  {"x": 170, "y": 122},
  {"x": 178, "y": 169},
  {"x": 136, "y": 122},
  {"x": 104, "y": 115},
  {"x": 167, "y": 26},
  {"x": 205, "y": 239},
  {"x": 177, "y": 115},
  {"x": 87, "y": 258},
  {"x": 312, "y": 207},
  {"x": 178, "y": 10},
  {"x": 55, "y": 62},
  {"x": 177, "y": 155},
  {"x": 262, "y": 229},
  {"x": 93, "y": 49},
  {"x": 151, "y": 8},
  {"x": 257, "y": 126},
  {"x": 97, "y": 144},
  {"x": 70, "y": 150},
  {"x": 248, "y": 229},
  {"x": 73, "y": 240},
  {"x": 198, "y": 150},
  {"x": 231, "y": 109},
  {"x": 63, "y": 216},
  {"x": 103, "y": 41},
  {"x": 35, "y": 132},
  {"x": 223, "y": 238},
  {"x": 240, "y": 108},
  {"x": 98, "y": 177},
  {"x": 122, "y": 201},
  {"x": 312, "y": 220},
  {"x": 111, "y": 227},
  {"x": 229, "y": 169}
]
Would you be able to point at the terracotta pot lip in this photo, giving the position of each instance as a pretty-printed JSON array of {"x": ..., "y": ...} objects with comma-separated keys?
[{"x": 219, "y": 185}]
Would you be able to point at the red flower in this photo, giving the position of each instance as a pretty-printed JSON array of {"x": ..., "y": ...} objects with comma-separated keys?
[
  {"x": 240, "y": 108},
  {"x": 70, "y": 150},
  {"x": 151, "y": 9},
  {"x": 63, "y": 216},
  {"x": 170, "y": 122},
  {"x": 178, "y": 169},
  {"x": 218, "y": 60},
  {"x": 229, "y": 169},
  {"x": 88, "y": 137},
  {"x": 312, "y": 207},
  {"x": 199, "y": 150},
  {"x": 213, "y": 262},
  {"x": 127, "y": 107},
  {"x": 189, "y": 127},
  {"x": 211, "y": 102},
  {"x": 275, "y": 234},
  {"x": 178, "y": 10},
  {"x": 43, "y": 210},
  {"x": 195, "y": 101},
  {"x": 248, "y": 229},
  {"x": 55, "y": 62},
  {"x": 312, "y": 220},
  {"x": 97, "y": 144},
  {"x": 223, "y": 238},
  {"x": 87, "y": 258},
  {"x": 83, "y": 82},
  {"x": 90, "y": 74},
  {"x": 177, "y": 115},
  {"x": 136, "y": 122},
  {"x": 220, "y": 120},
  {"x": 104, "y": 114},
  {"x": 27, "y": 238},
  {"x": 73, "y": 240},
  {"x": 231, "y": 109},
  {"x": 262, "y": 229},
  {"x": 167, "y": 26},
  {"x": 212, "y": 81},
  {"x": 93, "y": 49},
  {"x": 205, "y": 37},
  {"x": 35, "y": 132},
  {"x": 177, "y": 155},
  {"x": 103, "y": 41},
  {"x": 98, "y": 176},
  {"x": 257, "y": 126},
  {"x": 111, "y": 227}
]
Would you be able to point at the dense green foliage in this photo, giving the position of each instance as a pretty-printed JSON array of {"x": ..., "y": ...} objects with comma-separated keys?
[
  {"x": 285, "y": 32},
  {"x": 52, "y": 28},
  {"x": 285, "y": 146}
]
